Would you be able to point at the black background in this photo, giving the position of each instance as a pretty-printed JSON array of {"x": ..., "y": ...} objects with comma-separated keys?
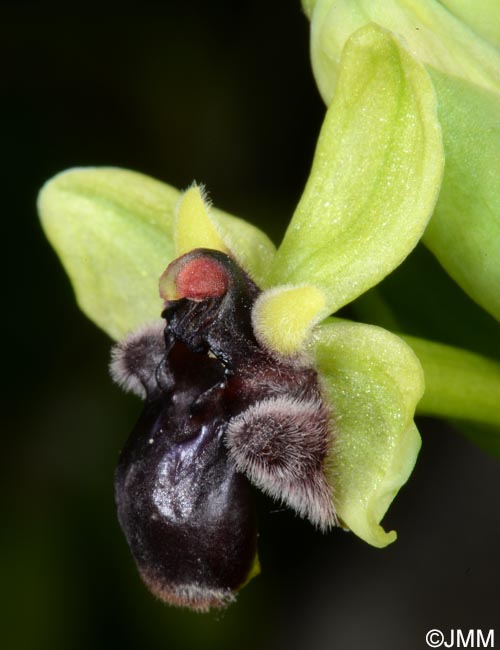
[{"x": 221, "y": 93}]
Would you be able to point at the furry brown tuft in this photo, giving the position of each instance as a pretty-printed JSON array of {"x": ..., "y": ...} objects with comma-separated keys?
[
  {"x": 135, "y": 360},
  {"x": 280, "y": 443}
]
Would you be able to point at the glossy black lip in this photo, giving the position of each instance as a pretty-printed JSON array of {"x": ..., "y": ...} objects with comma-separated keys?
[{"x": 188, "y": 516}]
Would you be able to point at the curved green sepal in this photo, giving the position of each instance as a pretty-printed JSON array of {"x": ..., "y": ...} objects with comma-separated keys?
[
  {"x": 112, "y": 230},
  {"x": 464, "y": 233},
  {"x": 283, "y": 317},
  {"x": 375, "y": 176},
  {"x": 430, "y": 32},
  {"x": 373, "y": 382}
]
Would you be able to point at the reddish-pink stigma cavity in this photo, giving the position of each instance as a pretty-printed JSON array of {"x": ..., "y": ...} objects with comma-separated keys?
[{"x": 201, "y": 278}]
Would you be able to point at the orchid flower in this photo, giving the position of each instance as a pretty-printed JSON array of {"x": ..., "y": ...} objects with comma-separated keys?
[{"x": 373, "y": 187}]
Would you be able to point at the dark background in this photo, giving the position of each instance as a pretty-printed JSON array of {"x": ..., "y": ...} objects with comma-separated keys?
[{"x": 224, "y": 95}]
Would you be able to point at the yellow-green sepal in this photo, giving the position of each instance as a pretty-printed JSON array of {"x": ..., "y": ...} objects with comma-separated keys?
[
  {"x": 373, "y": 382},
  {"x": 464, "y": 232},
  {"x": 375, "y": 177},
  {"x": 113, "y": 230}
]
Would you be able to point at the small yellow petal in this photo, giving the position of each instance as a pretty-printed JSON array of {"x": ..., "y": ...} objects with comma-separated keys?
[
  {"x": 193, "y": 226},
  {"x": 283, "y": 317}
]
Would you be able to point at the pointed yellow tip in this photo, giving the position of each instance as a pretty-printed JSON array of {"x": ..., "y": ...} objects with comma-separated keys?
[
  {"x": 194, "y": 227},
  {"x": 283, "y": 317}
]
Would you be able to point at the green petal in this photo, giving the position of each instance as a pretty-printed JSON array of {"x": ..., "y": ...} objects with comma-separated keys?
[
  {"x": 193, "y": 226},
  {"x": 375, "y": 177},
  {"x": 113, "y": 231},
  {"x": 430, "y": 32},
  {"x": 373, "y": 381},
  {"x": 464, "y": 232}
]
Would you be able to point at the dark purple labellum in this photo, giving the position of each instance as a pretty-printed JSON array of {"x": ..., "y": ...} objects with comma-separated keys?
[{"x": 219, "y": 410}]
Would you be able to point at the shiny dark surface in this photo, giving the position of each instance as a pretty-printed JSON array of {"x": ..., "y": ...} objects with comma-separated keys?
[
  {"x": 187, "y": 515},
  {"x": 186, "y": 512}
]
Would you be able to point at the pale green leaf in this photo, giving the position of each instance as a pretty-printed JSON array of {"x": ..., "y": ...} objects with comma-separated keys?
[
  {"x": 464, "y": 233},
  {"x": 429, "y": 31},
  {"x": 375, "y": 176},
  {"x": 373, "y": 382}
]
